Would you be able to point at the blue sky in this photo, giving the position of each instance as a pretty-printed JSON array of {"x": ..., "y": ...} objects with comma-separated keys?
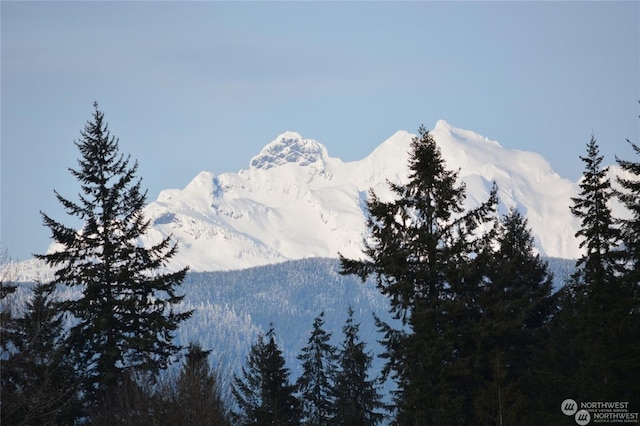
[{"x": 191, "y": 86}]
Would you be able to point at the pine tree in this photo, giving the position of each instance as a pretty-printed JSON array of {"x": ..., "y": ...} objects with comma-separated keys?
[
  {"x": 125, "y": 316},
  {"x": 38, "y": 382},
  {"x": 195, "y": 397},
  {"x": 357, "y": 398},
  {"x": 597, "y": 287},
  {"x": 562, "y": 354},
  {"x": 629, "y": 354},
  {"x": 315, "y": 384},
  {"x": 263, "y": 393},
  {"x": 516, "y": 306},
  {"x": 629, "y": 196},
  {"x": 598, "y": 234},
  {"x": 133, "y": 403},
  {"x": 418, "y": 248}
]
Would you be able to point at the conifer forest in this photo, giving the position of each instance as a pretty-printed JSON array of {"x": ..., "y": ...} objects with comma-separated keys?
[{"x": 475, "y": 331}]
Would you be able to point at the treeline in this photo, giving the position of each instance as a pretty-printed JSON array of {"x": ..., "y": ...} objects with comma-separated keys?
[
  {"x": 484, "y": 340},
  {"x": 479, "y": 338},
  {"x": 333, "y": 389},
  {"x": 96, "y": 358}
]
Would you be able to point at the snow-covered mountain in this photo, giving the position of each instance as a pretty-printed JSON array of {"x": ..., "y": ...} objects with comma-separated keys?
[{"x": 295, "y": 201}]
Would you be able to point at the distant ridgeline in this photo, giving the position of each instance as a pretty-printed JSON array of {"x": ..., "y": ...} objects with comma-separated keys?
[{"x": 233, "y": 307}]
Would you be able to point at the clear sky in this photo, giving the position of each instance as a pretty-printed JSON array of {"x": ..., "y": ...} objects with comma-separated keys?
[{"x": 191, "y": 86}]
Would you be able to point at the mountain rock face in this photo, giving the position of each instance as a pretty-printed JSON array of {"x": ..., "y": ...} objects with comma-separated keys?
[{"x": 295, "y": 201}]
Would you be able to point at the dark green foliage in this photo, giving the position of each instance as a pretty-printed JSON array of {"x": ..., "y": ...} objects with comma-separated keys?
[
  {"x": 629, "y": 196},
  {"x": 263, "y": 393},
  {"x": 315, "y": 384},
  {"x": 195, "y": 397},
  {"x": 601, "y": 302},
  {"x": 38, "y": 382},
  {"x": 559, "y": 367},
  {"x": 6, "y": 289},
  {"x": 516, "y": 306},
  {"x": 133, "y": 403},
  {"x": 420, "y": 250},
  {"x": 191, "y": 397},
  {"x": 590, "y": 345},
  {"x": 124, "y": 318},
  {"x": 356, "y": 397},
  {"x": 599, "y": 237},
  {"x": 6, "y": 286},
  {"x": 629, "y": 325}
]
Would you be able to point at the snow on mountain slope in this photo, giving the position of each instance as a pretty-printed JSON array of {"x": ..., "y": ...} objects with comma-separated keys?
[
  {"x": 525, "y": 180},
  {"x": 295, "y": 201}
]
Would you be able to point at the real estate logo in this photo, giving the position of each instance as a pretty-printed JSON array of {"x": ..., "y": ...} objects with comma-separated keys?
[
  {"x": 598, "y": 412},
  {"x": 582, "y": 417},
  {"x": 569, "y": 407}
]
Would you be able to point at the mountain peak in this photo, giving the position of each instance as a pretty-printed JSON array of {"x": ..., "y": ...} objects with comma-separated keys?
[
  {"x": 289, "y": 147},
  {"x": 298, "y": 202},
  {"x": 443, "y": 125}
]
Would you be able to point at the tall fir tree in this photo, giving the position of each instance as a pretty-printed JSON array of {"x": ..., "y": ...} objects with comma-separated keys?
[
  {"x": 315, "y": 384},
  {"x": 262, "y": 392},
  {"x": 598, "y": 234},
  {"x": 629, "y": 196},
  {"x": 516, "y": 305},
  {"x": 195, "y": 397},
  {"x": 418, "y": 248},
  {"x": 357, "y": 398},
  {"x": 125, "y": 316},
  {"x": 599, "y": 295},
  {"x": 39, "y": 386}
]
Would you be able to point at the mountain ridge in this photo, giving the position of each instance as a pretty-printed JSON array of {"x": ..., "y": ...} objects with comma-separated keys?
[{"x": 295, "y": 201}]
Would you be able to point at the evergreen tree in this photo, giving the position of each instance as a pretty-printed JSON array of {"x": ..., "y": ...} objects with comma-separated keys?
[
  {"x": 125, "y": 316},
  {"x": 419, "y": 249},
  {"x": 134, "y": 403},
  {"x": 600, "y": 298},
  {"x": 598, "y": 234},
  {"x": 516, "y": 305},
  {"x": 357, "y": 399},
  {"x": 195, "y": 396},
  {"x": 38, "y": 382},
  {"x": 563, "y": 353},
  {"x": 629, "y": 196},
  {"x": 629, "y": 354},
  {"x": 315, "y": 384},
  {"x": 263, "y": 393}
]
